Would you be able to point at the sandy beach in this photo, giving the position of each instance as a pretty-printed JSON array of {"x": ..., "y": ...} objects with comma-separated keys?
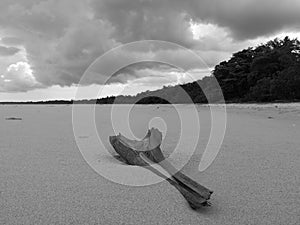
[{"x": 45, "y": 180}]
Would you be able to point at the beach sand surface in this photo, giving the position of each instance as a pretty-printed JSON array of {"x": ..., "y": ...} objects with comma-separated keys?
[{"x": 45, "y": 180}]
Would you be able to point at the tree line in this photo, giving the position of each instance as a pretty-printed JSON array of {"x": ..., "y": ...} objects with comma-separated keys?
[{"x": 265, "y": 73}]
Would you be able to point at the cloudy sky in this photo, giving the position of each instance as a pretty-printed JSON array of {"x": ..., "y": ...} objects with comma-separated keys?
[{"x": 47, "y": 45}]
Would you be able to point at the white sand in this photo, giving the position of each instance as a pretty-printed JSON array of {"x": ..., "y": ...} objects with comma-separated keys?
[{"x": 45, "y": 180}]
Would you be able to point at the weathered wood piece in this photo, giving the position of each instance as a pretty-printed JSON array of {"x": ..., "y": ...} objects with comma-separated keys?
[{"x": 146, "y": 152}]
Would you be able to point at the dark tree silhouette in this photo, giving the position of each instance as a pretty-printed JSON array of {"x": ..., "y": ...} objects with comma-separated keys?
[{"x": 268, "y": 72}]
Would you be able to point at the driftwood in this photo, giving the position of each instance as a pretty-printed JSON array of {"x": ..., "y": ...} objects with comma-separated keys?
[
  {"x": 13, "y": 118},
  {"x": 146, "y": 152}
]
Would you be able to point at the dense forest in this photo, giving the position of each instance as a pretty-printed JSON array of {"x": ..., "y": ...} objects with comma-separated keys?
[{"x": 266, "y": 73}]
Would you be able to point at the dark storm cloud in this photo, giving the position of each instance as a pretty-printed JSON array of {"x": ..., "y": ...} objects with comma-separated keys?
[
  {"x": 62, "y": 38},
  {"x": 250, "y": 19},
  {"x": 168, "y": 19},
  {"x": 8, "y": 51}
]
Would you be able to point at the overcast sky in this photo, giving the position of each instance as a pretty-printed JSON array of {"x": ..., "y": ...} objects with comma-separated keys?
[{"x": 46, "y": 45}]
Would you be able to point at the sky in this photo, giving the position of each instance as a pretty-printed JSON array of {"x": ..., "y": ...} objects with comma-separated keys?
[{"x": 47, "y": 45}]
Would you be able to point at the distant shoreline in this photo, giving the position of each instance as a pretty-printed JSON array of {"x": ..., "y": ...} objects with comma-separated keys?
[{"x": 86, "y": 102}]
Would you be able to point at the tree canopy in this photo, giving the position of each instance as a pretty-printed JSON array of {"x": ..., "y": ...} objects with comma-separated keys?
[{"x": 268, "y": 72}]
